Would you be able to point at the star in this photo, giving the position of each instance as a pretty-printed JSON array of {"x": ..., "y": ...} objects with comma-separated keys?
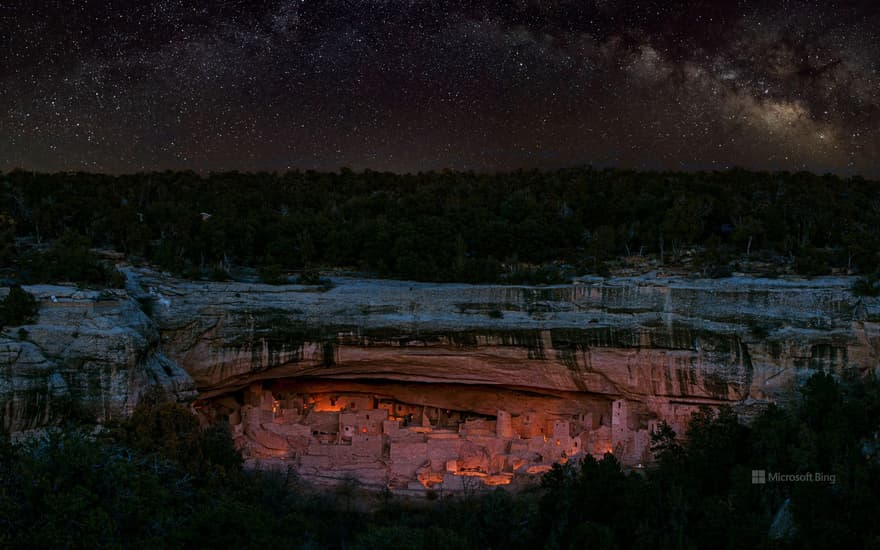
[{"x": 415, "y": 86}]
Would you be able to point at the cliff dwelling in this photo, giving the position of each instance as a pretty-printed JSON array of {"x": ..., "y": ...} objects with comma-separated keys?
[
  {"x": 397, "y": 385},
  {"x": 406, "y": 435}
]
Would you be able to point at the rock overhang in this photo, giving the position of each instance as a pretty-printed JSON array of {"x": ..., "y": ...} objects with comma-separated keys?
[{"x": 661, "y": 346}]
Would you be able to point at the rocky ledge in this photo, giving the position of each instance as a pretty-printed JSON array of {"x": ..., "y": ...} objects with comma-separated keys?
[
  {"x": 397, "y": 382},
  {"x": 89, "y": 353}
]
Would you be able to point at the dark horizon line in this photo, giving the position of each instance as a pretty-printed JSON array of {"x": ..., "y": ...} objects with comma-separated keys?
[{"x": 205, "y": 174}]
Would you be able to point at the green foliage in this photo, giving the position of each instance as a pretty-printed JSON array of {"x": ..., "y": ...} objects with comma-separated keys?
[
  {"x": 19, "y": 307},
  {"x": 699, "y": 494},
  {"x": 867, "y": 286},
  {"x": 312, "y": 277},
  {"x": 541, "y": 275},
  {"x": 430, "y": 538},
  {"x": 219, "y": 275},
  {"x": 172, "y": 431},
  {"x": 591, "y": 491},
  {"x": 271, "y": 274},
  {"x": 664, "y": 444},
  {"x": 812, "y": 261},
  {"x": 74, "y": 490},
  {"x": 717, "y": 442},
  {"x": 8, "y": 250},
  {"x": 442, "y": 226},
  {"x": 70, "y": 259},
  {"x": 718, "y": 271}
]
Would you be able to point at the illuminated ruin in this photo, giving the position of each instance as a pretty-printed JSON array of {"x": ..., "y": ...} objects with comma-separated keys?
[{"x": 416, "y": 435}]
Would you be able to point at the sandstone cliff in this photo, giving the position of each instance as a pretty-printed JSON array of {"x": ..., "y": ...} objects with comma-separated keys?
[
  {"x": 607, "y": 358},
  {"x": 656, "y": 347},
  {"x": 88, "y": 353},
  {"x": 701, "y": 340}
]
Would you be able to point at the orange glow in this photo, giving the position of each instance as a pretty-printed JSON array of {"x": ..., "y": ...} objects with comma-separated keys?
[
  {"x": 322, "y": 406},
  {"x": 427, "y": 446},
  {"x": 500, "y": 479},
  {"x": 471, "y": 473}
]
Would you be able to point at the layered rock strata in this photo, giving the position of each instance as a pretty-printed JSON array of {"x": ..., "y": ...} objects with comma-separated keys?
[
  {"x": 608, "y": 358},
  {"x": 460, "y": 382},
  {"x": 89, "y": 353}
]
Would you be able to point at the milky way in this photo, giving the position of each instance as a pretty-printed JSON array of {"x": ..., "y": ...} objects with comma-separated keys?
[{"x": 413, "y": 85}]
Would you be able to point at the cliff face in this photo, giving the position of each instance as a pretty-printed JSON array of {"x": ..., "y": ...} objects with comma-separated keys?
[
  {"x": 86, "y": 352},
  {"x": 609, "y": 358},
  {"x": 707, "y": 341},
  {"x": 473, "y": 380}
]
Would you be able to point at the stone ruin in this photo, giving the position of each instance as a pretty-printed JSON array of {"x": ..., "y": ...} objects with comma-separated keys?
[{"x": 416, "y": 436}]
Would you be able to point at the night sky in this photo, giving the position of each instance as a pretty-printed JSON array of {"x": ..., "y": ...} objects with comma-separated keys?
[{"x": 414, "y": 85}]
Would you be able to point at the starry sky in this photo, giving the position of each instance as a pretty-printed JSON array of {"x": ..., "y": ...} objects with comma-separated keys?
[{"x": 414, "y": 85}]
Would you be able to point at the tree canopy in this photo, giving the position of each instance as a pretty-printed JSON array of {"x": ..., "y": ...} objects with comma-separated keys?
[{"x": 441, "y": 226}]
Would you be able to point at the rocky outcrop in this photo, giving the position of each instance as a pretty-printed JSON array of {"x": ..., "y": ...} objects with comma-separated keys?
[
  {"x": 707, "y": 341},
  {"x": 593, "y": 365},
  {"x": 88, "y": 353},
  {"x": 658, "y": 347}
]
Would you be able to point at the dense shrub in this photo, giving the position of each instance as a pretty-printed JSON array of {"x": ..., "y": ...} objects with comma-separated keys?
[
  {"x": 172, "y": 431},
  {"x": 271, "y": 274},
  {"x": 71, "y": 259},
  {"x": 18, "y": 308},
  {"x": 813, "y": 262},
  {"x": 867, "y": 286}
]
